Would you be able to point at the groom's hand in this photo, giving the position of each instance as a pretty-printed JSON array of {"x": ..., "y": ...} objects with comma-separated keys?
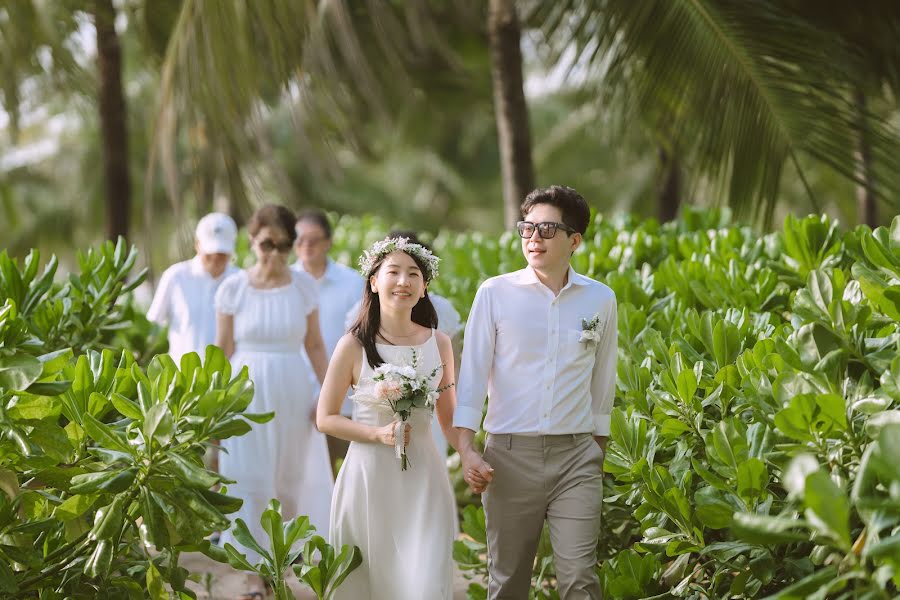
[{"x": 476, "y": 471}]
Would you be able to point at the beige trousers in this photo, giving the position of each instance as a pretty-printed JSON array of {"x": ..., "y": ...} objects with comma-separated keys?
[{"x": 554, "y": 477}]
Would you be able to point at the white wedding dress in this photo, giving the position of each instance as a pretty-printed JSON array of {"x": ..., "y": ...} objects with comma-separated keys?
[{"x": 402, "y": 521}]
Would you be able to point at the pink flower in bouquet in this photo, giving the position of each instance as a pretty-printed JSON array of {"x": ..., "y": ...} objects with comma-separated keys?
[{"x": 390, "y": 390}]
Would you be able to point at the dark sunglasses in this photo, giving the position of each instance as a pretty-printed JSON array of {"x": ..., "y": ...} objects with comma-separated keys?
[
  {"x": 546, "y": 229},
  {"x": 268, "y": 245}
]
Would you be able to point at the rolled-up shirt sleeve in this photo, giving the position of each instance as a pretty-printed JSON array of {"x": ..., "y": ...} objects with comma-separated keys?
[
  {"x": 477, "y": 361},
  {"x": 603, "y": 380}
]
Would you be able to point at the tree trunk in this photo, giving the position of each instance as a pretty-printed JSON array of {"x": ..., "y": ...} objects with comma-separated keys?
[
  {"x": 866, "y": 200},
  {"x": 112, "y": 121},
  {"x": 510, "y": 108},
  {"x": 669, "y": 188}
]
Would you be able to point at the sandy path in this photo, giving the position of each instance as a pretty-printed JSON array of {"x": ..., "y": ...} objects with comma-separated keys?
[{"x": 227, "y": 583}]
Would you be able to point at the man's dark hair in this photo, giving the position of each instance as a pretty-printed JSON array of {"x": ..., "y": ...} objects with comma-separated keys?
[
  {"x": 575, "y": 211},
  {"x": 317, "y": 217}
]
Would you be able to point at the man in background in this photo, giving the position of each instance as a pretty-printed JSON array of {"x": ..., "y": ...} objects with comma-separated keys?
[{"x": 184, "y": 296}]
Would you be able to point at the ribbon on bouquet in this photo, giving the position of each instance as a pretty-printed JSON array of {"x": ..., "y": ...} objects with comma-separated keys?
[{"x": 399, "y": 445}]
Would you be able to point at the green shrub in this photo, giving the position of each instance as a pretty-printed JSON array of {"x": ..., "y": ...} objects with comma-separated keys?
[{"x": 102, "y": 483}]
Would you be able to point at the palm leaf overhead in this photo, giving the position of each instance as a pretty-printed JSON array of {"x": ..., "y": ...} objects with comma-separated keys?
[
  {"x": 35, "y": 42},
  {"x": 744, "y": 88},
  {"x": 340, "y": 64}
]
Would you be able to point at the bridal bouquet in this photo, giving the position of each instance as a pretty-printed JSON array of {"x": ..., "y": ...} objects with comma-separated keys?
[{"x": 399, "y": 388}]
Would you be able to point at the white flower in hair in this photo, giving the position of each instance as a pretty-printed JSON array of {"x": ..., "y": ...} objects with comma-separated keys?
[{"x": 384, "y": 247}]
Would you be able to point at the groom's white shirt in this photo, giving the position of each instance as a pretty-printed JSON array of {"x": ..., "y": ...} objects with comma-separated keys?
[{"x": 522, "y": 349}]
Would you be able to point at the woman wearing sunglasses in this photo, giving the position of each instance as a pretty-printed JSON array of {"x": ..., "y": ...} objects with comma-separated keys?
[{"x": 266, "y": 317}]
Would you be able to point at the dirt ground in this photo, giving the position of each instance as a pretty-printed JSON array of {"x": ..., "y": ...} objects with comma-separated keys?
[{"x": 225, "y": 583}]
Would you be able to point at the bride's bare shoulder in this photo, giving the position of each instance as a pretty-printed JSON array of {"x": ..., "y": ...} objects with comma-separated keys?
[{"x": 347, "y": 342}]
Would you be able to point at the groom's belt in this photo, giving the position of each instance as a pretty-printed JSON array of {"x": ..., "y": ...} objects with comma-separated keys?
[{"x": 515, "y": 440}]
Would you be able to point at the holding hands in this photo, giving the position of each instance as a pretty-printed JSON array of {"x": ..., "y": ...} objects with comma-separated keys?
[{"x": 476, "y": 471}]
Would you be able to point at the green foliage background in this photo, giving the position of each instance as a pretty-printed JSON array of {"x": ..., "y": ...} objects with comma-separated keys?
[{"x": 756, "y": 432}]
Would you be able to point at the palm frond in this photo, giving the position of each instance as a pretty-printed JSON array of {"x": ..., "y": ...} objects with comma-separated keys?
[
  {"x": 340, "y": 64},
  {"x": 744, "y": 88}
]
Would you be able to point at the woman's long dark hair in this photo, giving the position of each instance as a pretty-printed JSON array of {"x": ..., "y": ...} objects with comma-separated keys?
[{"x": 368, "y": 322}]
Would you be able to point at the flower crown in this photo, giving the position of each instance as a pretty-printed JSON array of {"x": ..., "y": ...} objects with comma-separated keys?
[{"x": 384, "y": 247}]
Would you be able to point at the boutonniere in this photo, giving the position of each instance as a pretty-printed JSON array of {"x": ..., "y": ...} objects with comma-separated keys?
[{"x": 591, "y": 329}]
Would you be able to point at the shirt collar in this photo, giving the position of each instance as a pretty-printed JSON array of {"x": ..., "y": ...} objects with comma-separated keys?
[
  {"x": 198, "y": 270},
  {"x": 527, "y": 276},
  {"x": 330, "y": 273}
]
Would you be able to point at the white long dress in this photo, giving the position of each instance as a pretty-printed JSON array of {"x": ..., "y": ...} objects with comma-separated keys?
[
  {"x": 402, "y": 521},
  {"x": 286, "y": 458}
]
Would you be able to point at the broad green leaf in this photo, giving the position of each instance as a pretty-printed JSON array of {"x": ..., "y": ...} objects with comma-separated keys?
[
  {"x": 54, "y": 362},
  {"x": 238, "y": 560},
  {"x": 885, "y": 297},
  {"x": 687, "y": 386},
  {"x": 97, "y": 404},
  {"x": 794, "y": 477},
  {"x": 28, "y": 407},
  {"x": 103, "y": 481},
  {"x": 223, "y": 503},
  {"x": 19, "y": 371},
  {"x": 880, "y": 420},
  {"x": 828, "y": 507},
  {"x": 242, "y": 534},
  {"x": 752, "y": 479},
  {"x": 158, "y": 424},
  {"x": 153, "y": 528},
  {"x": 8, "y": 583},
  {"x": 155, "y": 585},
  {"x": 713, "y": 510},
  {"x": 231, "y": 427},
  {"x": 9, "y": 483},
  {"x": 726, "y": 343},
  {"x": 52, "y": 439},
  {"x": 74, "y": 506},
  {"x": 49, "y": 388},
  {"x": 298, "y": 529},
  {"x": 104, "y": 435},
  {"x": 674, "y": 428},
  {"x": 215, "y": 362},
  {"x": 766, "y": 530},
  {"x": 126, "y": 407},
  {"x": 259, "y": 418},
  {"x": 272, "y": 524},
  {"x": 190, "y": 472}
]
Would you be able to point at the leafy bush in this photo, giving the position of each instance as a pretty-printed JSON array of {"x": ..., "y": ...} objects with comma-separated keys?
[
  {"x": 756, "y": 437},
  {"x": 314, "y": 563},
  {"x": 102, "y": 483}
]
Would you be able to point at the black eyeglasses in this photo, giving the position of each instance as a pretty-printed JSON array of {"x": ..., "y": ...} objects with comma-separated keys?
[
  {"x": 268, "y": 245},
  {"x": 547, "y": 229}
]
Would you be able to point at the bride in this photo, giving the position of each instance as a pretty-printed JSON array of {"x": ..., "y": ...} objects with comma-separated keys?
[{"x": 402, "y": 520}]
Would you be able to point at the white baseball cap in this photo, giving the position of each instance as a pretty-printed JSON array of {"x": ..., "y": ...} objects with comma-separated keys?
[{"x": 216, "y": 234}]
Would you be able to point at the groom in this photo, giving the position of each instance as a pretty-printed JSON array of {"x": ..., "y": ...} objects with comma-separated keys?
[{"x": 541, "y": 344}]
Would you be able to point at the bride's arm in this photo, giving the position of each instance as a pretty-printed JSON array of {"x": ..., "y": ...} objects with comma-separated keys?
[
  {"x": 338, "y": 378},
  {"x": 446, "y": 403}
]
